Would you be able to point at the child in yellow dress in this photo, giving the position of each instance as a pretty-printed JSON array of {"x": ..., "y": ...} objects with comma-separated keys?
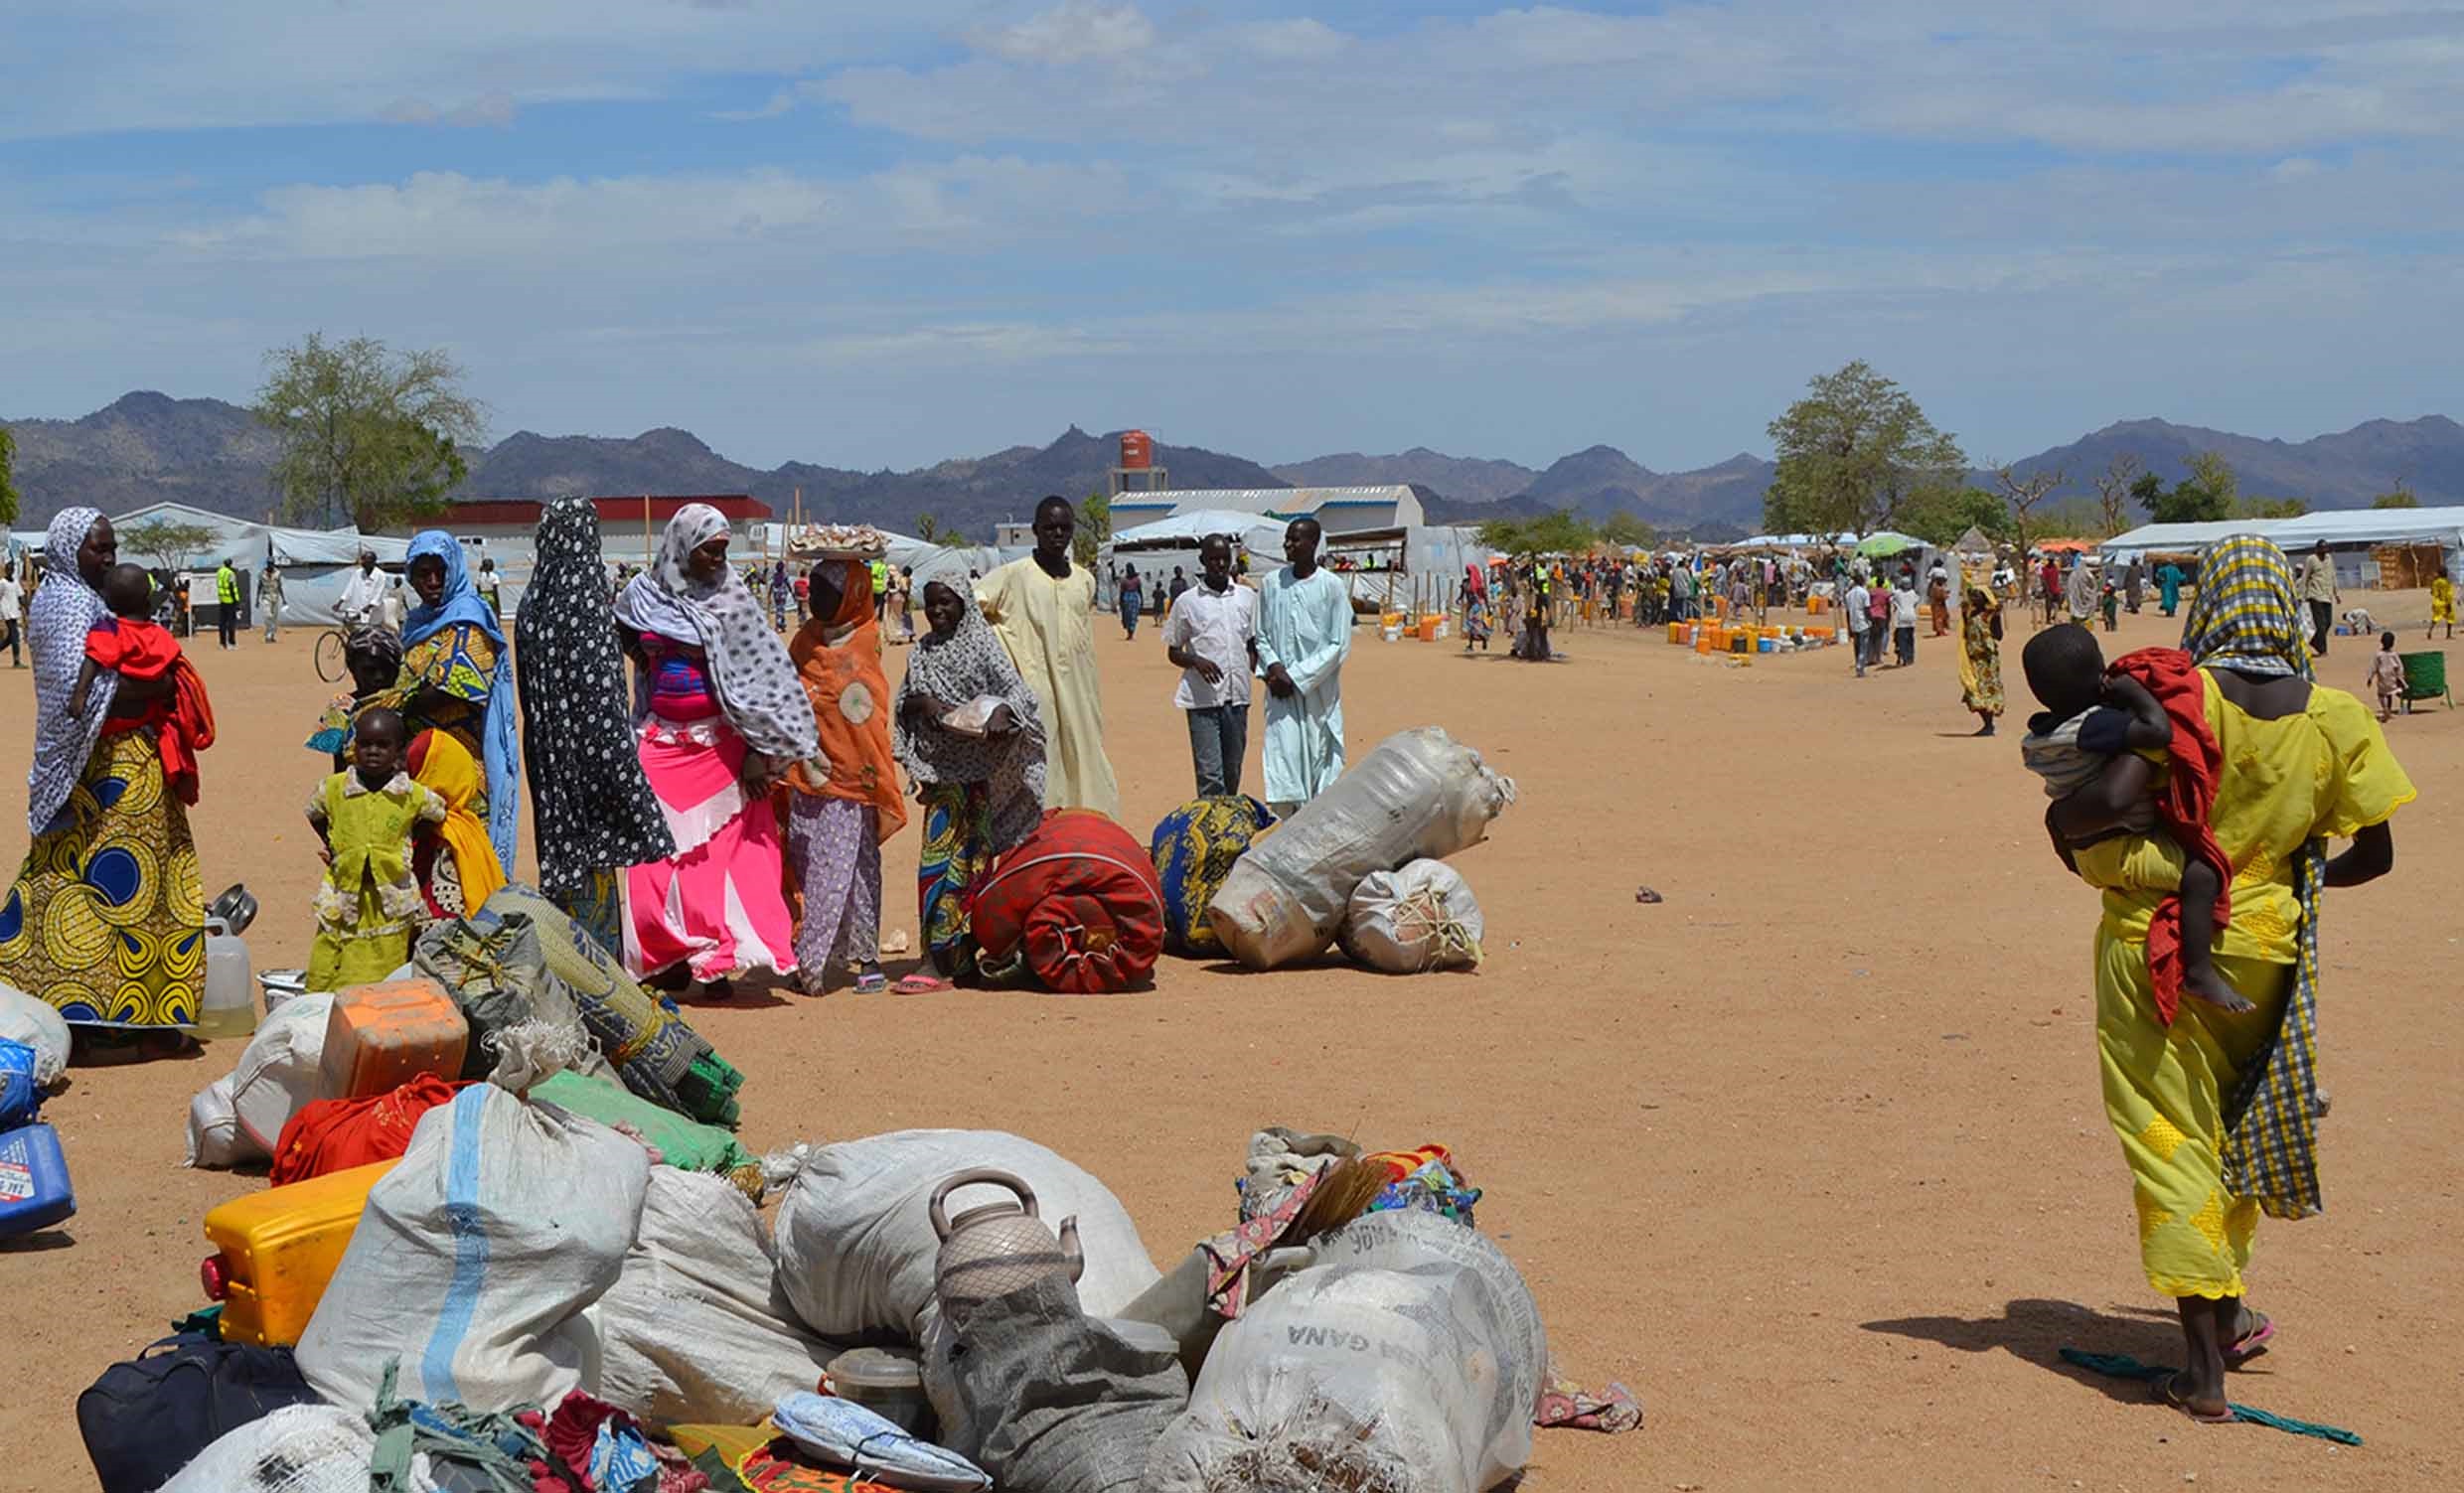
[
  {"x": 368, "y": 903},
  {"x": 2443, "y": 606}
]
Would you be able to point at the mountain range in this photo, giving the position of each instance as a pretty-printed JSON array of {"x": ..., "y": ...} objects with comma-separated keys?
[{"x": 148, "y": 447}]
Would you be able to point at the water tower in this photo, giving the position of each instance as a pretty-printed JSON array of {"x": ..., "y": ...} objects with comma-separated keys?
[{"x": 1137, "y": 472}]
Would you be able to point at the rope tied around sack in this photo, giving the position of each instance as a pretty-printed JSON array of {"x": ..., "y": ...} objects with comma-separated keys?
[{"x": 1420, "y": 919}]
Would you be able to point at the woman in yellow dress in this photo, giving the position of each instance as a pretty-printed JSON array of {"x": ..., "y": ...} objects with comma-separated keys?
[{"x": 2217, "y": 1113}]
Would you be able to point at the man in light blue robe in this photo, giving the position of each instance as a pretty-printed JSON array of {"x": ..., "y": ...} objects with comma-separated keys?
[{"x": 1305, "y": 632}]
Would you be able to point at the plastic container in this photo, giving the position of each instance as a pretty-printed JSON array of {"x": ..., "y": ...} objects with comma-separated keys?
[
  {"x": 889, "y": 1382},
  {"x": 380, "y": 1037},
  {"x": 274, "y": 1252},
  {"x": 228, "y": 1007},
  {"x": 1765, "y": 646},
  {"x": 34, "y": 1187}
]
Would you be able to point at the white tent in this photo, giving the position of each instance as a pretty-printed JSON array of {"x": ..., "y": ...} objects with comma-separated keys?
[
  {"x": 2350, "y": 535},
  {"x": 315, "y": 562}
]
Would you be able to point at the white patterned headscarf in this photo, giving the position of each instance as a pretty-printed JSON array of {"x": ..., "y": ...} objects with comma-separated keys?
[
  {"x": 65, "y": 607},
  {"x": 750, "y": 673}
]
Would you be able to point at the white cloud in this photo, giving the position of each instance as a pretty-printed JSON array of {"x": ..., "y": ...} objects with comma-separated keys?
[{"x": 1076, "y": 31}]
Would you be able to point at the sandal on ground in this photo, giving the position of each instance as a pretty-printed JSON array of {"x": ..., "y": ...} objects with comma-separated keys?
[
  {"x": 2165, "y": 1387},
  {"x": 873, "y": 983},
  {"x": 920, "y": 984}
]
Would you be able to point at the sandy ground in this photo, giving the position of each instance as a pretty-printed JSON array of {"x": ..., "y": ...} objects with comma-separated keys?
[{"x": 1811, "y": 1155}]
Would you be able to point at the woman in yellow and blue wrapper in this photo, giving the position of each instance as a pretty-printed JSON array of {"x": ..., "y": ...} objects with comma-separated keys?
[{"x": 2217, "y": 1111}]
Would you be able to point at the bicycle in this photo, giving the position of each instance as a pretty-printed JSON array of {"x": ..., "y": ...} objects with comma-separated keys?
[{"x": 333, "y": 654}]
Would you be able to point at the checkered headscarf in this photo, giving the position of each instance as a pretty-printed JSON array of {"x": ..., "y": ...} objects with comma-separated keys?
[{"x": 2247, "y": 614}]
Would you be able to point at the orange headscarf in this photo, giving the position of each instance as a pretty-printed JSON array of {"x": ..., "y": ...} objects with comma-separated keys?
[{"x": 840, "y": 660}]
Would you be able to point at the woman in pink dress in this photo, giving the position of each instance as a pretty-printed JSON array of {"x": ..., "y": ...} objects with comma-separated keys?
[{"x": 718, "y": 717}]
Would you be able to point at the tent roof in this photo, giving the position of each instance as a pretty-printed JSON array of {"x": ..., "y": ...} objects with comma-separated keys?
[
  {"x": 1196, "y": 525},
  {"x": 1973, "y": 543},
  {"x": 2337, "y": 527}
]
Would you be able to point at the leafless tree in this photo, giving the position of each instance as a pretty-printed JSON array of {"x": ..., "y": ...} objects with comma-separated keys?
[{"x": 2114, "y": 492}]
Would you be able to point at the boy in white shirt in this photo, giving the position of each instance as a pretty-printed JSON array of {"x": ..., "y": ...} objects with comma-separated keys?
[
  {"x": 1212, "y": 633},
  {"x": 1903, "y": 622},
  {"x": 1857, "y": 601}
]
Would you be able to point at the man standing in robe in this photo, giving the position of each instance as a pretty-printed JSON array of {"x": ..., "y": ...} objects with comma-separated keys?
[
  {"x": 1042, "y": 608},
  {"x": 1305, "y": 632}
]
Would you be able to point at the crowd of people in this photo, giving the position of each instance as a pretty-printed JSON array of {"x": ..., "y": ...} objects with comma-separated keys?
[{"x": 709, "y": 798}]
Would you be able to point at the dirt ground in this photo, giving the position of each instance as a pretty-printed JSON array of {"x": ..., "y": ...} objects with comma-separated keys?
[{"x": 1811, "y": 1155}]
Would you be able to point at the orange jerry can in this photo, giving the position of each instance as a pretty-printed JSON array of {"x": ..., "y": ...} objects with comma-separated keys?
[
  {"x": 275, "y": 1249},
  {"x": 381, "y": 1036}
]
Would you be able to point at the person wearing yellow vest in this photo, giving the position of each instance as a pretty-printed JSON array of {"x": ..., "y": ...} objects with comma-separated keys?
[
  {"x": 227, "y": 601},
  {"x": 881, "y": 589}
]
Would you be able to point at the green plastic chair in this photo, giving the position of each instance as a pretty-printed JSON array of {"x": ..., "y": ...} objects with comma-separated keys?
[{"x": 2425, "y": 678}]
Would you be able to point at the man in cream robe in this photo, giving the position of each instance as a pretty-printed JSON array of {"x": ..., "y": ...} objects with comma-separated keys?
[
  {"x": 1040, "y": 608},
  {"x": 1304, "y": 633}
]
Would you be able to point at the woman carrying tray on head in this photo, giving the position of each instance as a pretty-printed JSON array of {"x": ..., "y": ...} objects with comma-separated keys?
[
  {"x": 719, "y": 715},
  {"x": 981, "y": 788},
  {"x": 837, "y": 824}
]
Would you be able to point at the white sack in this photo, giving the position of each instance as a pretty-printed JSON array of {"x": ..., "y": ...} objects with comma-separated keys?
[
  {"x": 1405, "y": 1359},
  {"x": 855, "y": 1236},
  {"x": 214, "y": 1135},
  {"x": 300, "y": 1449},
  {"x": 1422, "y": 917},
  {"x": 279, "y": 1073},
  {"x": 39, "y": 1025},
  {"x": 475, "y": 1258},
  {"x": 696, "y": 1329},
  {"x": 1420, "y": 793}
]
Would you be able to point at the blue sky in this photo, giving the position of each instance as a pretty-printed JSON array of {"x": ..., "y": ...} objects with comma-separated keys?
[{"x": 874, "y": 233}]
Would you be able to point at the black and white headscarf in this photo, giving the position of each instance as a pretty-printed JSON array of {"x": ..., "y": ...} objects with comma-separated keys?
[
  {"x": 64, "y": 607},
  {"x": 750, "y": 673},
  {"x": 967, "y": 666},
  {"x": 590, "y": 805}
]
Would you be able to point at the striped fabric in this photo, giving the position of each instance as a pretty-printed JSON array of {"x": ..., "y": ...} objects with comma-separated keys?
[{"x": 2248, "y": 617}]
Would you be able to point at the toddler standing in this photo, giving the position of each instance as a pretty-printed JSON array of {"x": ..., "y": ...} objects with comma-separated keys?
[
  {"x": 370, "y": 902},
  {"x": 2387, "y": 675}
]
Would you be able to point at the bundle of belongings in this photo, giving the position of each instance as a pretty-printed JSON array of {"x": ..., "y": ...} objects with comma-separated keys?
[
  {"x": 512, "y": 1273},
  {"x": 1075, "y": 904}
]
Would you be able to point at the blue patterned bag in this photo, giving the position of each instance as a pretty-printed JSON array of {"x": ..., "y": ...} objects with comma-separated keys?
[{"x": 1194, "y": 849}]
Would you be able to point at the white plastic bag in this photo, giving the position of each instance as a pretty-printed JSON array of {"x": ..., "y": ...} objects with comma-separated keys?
[
  {"x": 695, "y": 1330},
  {"x": 215, "y": 1137},
  {"x": 278, "y": 1074},
  {"x": 1422, "y": 917},
  {"x": 300, "y": 1449},
  {"x": 856, "y": 1236},
  {"x": 39, "y": 1025},
  {"x": 1406, "y": 1358},
  {"x": 1420, "y": 793},
  {"x": 475, "y": 1258}
]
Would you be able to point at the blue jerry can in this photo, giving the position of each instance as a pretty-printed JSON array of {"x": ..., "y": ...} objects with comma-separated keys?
[{"x": 33, "y": 1181}]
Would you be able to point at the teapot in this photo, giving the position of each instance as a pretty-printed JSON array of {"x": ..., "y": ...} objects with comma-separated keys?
[{"x": 999, "y": 1248}]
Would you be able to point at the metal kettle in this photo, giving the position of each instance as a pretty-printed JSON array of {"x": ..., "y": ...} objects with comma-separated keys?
[{"x": 999, "y": 1248}]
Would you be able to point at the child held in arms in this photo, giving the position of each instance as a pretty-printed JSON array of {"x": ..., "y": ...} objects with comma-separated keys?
[
  {"x": 2100, "y": 733},
  {"x": 131, "y": 644},
  {"x": 370, "y": 902}
]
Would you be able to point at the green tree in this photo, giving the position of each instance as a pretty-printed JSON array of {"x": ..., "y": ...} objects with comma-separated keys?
[
  {"x": 367, "y": 433},
  {"x": 1626, "y": 532},
  {"x": 8, "y": 484},
  {"x": 1558, "y": 533},
  {"x": 2270, "y": 507},
  {"x": 927, "y": 529},
  {"x": 1851, "y": 453},
  {"x": 2210, "y": 494},
  {"x": 1940, "y": 515},
  {"x": 175, "y": 545},
  {"x": 1094, "y": 528},
  {"x": 2399, "y": 496}
]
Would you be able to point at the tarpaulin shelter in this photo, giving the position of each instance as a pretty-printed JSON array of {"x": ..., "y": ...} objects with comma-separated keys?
[{"x": 2350, "y": 534}]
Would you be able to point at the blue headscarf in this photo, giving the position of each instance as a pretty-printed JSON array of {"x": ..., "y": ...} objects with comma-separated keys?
[{"x": 460, "y": 603}]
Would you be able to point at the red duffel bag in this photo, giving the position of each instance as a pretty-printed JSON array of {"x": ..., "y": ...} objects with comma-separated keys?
[
  {"x": 335, "y": 1134},
  {"x": 1077, "y": 899}
]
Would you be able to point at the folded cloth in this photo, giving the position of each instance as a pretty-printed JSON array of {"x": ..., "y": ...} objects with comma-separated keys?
[{"x": 2183, "y": 806}]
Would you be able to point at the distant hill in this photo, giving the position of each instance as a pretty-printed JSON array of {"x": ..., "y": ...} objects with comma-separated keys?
[
  {"x": 1469, "y": 479},
  {"x": 2344, "y": 470},
  {"x": 148, "y": 447}
]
